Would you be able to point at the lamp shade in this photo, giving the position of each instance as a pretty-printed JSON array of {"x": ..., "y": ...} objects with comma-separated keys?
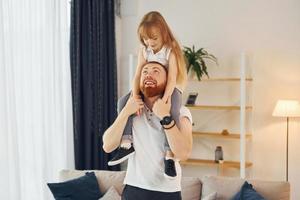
[{"x": 287, "y": 108}]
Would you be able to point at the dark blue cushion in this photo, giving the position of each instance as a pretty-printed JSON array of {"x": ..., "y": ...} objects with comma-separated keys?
[
  {"x": 85, "y": 187},
  {"x": 247, "y": 192}
]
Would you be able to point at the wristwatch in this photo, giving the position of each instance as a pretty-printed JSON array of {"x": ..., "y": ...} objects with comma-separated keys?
[{"x": 166, "y": 120}]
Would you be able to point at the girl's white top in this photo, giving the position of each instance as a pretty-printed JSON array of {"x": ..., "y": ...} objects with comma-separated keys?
[{"x": 162, "y": 56}]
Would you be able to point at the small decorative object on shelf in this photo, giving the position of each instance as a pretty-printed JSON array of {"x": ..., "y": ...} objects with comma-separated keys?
[
  {"x": 218, "y": 154},
  {"x": 225, "y": 132},
  {"x": 191, "y": 98}
]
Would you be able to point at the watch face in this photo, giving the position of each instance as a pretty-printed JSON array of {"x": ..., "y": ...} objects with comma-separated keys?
[{"x": 167, "y": 120}]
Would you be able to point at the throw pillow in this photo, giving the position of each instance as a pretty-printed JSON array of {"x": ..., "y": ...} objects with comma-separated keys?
[
  {"x": 85, "y": 187},
  {"x": 111, "y": 194},
  {"x": 190, "y": 188},
  {"x": 247, "y": 192},
  {"x": 211, "y": 196}
]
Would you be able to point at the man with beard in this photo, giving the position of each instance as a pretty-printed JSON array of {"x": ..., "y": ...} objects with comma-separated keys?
[{"x": 145, "y": 171}]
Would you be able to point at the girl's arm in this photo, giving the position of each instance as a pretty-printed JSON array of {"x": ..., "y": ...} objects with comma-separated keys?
[
  {"x": 137, "y": 76},
  {"x": 172, "y": 74}
]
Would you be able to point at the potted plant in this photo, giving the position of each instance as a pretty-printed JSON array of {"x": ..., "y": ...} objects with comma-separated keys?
[{"x": 196, "y": 61}]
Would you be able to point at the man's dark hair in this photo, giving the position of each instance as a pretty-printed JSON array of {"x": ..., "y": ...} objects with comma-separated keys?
[{"x": 155, "y": 62}]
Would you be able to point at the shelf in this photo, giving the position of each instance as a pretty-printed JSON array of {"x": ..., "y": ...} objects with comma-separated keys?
[
  {"x": 219, "y": 135},
  {"x": 221, "y": 79},
  {"x": 206, "y": 107},
  {"x": 225, "y": 164}
]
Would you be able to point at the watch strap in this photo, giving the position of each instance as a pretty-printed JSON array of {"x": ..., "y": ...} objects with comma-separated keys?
[{"x": 170, "y": 126}]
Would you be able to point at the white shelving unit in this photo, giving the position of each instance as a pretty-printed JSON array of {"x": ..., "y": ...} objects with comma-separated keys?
[{"x": 242, "y": 136}]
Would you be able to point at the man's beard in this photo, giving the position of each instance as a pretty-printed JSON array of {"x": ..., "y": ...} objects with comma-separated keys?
[{"x": 153, "y": 91}]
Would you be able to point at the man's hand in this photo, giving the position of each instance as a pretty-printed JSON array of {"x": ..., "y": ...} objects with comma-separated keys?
[
  {"x": 162, "y": 109},
  {"x": 134, "y": 104}
]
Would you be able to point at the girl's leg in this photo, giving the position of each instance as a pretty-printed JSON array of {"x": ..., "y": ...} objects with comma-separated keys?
[
  {"x": 176, "y": 100},
  {"x": 126, "y": 149},
  {"x": 127, "y": 133}
]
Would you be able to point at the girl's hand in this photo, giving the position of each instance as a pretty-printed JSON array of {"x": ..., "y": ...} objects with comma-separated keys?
[
  {"x": 165, "y": 98},
  {"x": 161, "y": 108},
  {"x": 134, "y": 104}
]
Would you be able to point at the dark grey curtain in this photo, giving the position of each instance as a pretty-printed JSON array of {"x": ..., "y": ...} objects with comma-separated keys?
[{"x": 94, "y": 82}]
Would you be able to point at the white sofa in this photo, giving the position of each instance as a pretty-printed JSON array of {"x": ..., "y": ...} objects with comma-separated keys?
[{"x": 193, "y": 188}]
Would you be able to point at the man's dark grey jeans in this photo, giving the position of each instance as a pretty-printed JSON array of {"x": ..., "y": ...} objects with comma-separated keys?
[{"x": 135, "y": 193}]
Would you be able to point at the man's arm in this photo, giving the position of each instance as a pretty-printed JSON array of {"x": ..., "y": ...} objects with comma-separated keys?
[
  {"x": 180, "y": 140},
  {"x": 112, "y": 136}
]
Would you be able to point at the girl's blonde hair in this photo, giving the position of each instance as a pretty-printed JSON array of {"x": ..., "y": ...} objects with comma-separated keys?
[{"x": 154, "y": 19}]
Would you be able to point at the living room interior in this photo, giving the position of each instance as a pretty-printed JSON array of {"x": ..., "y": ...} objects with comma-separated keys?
[
  {"x": 228, "y": 30},
  {"x": 241, "y": 106}
]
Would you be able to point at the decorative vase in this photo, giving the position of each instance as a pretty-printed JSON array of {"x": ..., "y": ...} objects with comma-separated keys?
[{"x": 218, "y": 154}]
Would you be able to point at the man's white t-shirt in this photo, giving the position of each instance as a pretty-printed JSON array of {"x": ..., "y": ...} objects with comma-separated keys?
[{"x": 145, "y": 168}]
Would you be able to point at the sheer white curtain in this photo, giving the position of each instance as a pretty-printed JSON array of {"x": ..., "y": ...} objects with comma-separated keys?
[{"x": 36, "y": 132}]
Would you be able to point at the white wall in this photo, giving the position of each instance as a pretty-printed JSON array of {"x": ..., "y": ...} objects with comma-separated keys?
[{"x": 269, "y": 32}]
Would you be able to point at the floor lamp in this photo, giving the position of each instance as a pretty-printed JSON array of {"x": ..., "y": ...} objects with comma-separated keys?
[{"x": 287, "y": 109}]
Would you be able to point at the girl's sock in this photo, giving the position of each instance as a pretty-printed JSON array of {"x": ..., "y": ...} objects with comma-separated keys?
[
  {"x": 126, "y": 145},
  {"x": 169, "y": 158}
]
